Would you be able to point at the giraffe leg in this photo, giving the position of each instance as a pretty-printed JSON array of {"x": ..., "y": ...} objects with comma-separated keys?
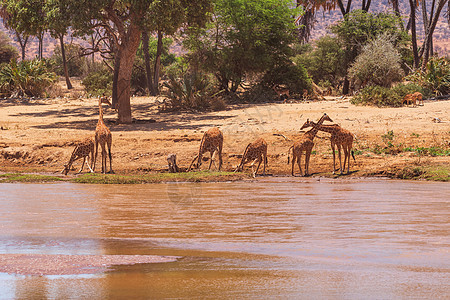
[
  {"x": 190, "y": 166},
  {"x": 87, "y": 163},
  {"x": 293, "y": 163},
  {"x": 340, "y": 159},
  {"x": 334, "y": 156},
  {"x": 344, "y": 147},
  {"x": 259, "y": 164},
  {"x": 103, "y": 159},
  {"x": 307, "y": 156},
  {"x": 265, "y": 162},
  {"x": 96, "y": 152},
  {"x": 92, "y": 161},
  {"x": 212, "y": 160},
  {"x": 82, "y": 165},
  {"x": 299, "y": 161},
  {"x": 220, "y": 157},
  {"x": 110, "y": 157}
]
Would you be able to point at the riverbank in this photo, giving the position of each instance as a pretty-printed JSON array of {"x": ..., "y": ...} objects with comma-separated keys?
[{"x": 37, "y": 137}]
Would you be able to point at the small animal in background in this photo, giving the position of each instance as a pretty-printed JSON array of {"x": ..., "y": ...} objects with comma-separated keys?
[
  {"x": 255, "y": 152},
  {"x": 413, "y": 99},
  {"x": 172, "y": 161},
  {"x": 82, "y": 150},
  {"x": 283, "y": 93}
]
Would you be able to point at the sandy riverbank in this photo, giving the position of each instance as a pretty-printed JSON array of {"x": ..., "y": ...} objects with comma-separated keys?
[{"x": 38, "y": 135}]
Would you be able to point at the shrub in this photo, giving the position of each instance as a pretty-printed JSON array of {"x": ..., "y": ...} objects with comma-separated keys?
[
  {"x": 294, "y": 77},
  {"x": 382, "y": 96},
  {"x": 76, "y": 65},
  {"x": 326, "y": 62},
  {"x": 27, "y": 78},
  {"x": 192, "y": 90},
  {"x": 378, "y": 64},
  {"x": 436, "y": 78},
  {"x": 98, "y": 82},
  {"x": 7, "y": 51}
]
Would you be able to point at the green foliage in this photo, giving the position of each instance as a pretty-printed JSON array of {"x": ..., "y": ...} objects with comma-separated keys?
[
  {"x": 244, "y": 38},
  {"x": 98, "y": 82},
  {"x": 139, "y": 76},
  {"x": 294, "y": 77},
  {"x": 382, "y": 96},
  {"x": 436, "y": 78},
  {"x": 76, "y": 64},
  {"x": 360, "y": 27},
  {"x": 26, "y": 78},
  {"x": 378, "y": 64},
  {"x": 7, "y": 51},
  {"x": 192, "y": 90},
  {"x": 325, "y": 62}
]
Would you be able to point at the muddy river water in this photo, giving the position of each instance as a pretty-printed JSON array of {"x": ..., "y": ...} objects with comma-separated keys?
[{"x": 274, "y": 238}]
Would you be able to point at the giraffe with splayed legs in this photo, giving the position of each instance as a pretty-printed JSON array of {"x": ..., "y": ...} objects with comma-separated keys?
[
  {"x": 341, "y": 138},
  {"x": 254, "y": 152},
  {"x": 306, "y": 144},
  {"x": 83, "y": 150},
  {"x": 212, "y": 142},
  {"x": 103, "y": 137}
]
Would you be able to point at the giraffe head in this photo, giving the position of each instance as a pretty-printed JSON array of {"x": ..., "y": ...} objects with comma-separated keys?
[
  {"x": 325, "y": 117},
  {"x": 66, "y": 169},
  {"x": 104, "y": 100},
  {"x": 307, "y": 124}
]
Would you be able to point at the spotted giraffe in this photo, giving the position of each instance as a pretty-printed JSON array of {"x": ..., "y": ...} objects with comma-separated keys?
[
  {"x": 82, "y": 150},
  {"x": 212, "y": 141},
  {"x": 306, "y": 144},
  {"x": 103, "y": 137},
  {"x": 255, "y": 152},
  {"x": 341, "y": 138}
]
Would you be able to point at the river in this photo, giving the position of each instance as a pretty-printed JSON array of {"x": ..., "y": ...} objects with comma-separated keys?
[{"x": 274, "y": 238}]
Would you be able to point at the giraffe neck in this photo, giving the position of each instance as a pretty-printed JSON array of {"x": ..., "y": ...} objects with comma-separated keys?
[
  {"x": 330, "y": 129},
  {"x": 100, "y": 112},
  {"x": 313, "y": 131}
]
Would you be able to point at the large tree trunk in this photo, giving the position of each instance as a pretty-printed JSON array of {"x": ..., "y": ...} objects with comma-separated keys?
[
  {"x": 157, "y": 63},
  {"x": 429, "y": 37},
  {"x": 126, "y": 54},
  {"x": 412, "y": 4},
  {"x": 63, "y": 54},
  {"x": 148, "y": 69},
  {"x": 23, "y": 44}
]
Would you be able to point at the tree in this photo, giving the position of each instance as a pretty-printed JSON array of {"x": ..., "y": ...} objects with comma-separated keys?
[
  {"x": 27, "y": 17},
  {"x": 22, "y": 38},
  {"x": 378, "y": 64},
  {"x": 312, "y": 6},
  {"x": 58, "y": 24},
  {"x": 7, "y": 51},
  {"x": 123, "y": 21},
  {"x": 359, "y": 27},
  {"x": 244, "y": 38}
]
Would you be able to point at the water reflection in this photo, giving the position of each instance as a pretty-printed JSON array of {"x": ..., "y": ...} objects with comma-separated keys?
[{"x": 270, "y": 238}]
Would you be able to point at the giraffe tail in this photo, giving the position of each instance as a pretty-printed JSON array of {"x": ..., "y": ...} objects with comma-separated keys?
[
  {"x": 289, "y": 152},
  {"x": 353, "y": 155}
]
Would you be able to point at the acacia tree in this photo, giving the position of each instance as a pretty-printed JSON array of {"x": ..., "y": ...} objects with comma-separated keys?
[
  {"x": 22, "y": 38},
  {"x": 26, "y": 17},
  {"x": 245, "y": 37},
  {"x": 58, "y": 25},
  {"x": 124, "y": 20}
]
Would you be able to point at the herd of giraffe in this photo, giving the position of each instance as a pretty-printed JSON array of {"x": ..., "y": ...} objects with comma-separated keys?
[{"x": 212, "y": 142}]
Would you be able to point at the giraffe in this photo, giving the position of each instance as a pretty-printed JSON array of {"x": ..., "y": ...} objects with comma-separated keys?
[
  {"x": 103, "y": 136},
  {"x": 82, "y": 150},
  {"x": 339, "y": 137},
  {"x": 306, "y": 143},
  {"x": 256, "y": 152},
  {"x": 212, "y": 141}
]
